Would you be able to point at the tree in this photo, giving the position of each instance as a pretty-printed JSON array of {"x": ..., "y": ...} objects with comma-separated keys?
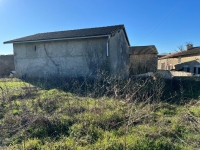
[{"x": 181, "y": 47}]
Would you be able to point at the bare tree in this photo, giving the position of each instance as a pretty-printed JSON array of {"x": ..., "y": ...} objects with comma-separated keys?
[{"x": 181, "y": 47}]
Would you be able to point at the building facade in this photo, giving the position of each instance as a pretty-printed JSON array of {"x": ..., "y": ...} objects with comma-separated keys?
[
  {"x": 187, "y": 60},
  {"x": 74, "y": 53},
  {"x": 143, "y": 59}
]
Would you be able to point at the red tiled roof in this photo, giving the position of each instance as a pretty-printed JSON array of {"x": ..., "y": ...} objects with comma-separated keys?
[{"x": 192, "y": 51}]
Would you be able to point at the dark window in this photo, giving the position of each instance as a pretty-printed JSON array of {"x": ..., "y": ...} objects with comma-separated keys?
[
  {"x": 195, "y": 70},
  {"x": 198, "y": 70}
]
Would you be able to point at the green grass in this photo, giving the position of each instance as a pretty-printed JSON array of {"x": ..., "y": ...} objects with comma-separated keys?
[{"x": 55, "y": 119}]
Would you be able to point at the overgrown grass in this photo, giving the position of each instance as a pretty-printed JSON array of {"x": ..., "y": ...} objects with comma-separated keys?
[{"x": 127, "y": 115}]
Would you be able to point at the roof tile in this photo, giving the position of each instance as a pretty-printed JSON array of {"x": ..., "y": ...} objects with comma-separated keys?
[
  {"x": 185, "y": 53},
  {"x": 137, "y": 50},
  {"x": 78, "y": 33}
]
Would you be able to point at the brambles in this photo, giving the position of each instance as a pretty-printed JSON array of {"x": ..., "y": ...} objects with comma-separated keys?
[{"x": 100, "y": 114}]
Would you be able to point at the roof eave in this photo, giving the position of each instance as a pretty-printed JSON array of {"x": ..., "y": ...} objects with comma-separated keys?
[
  {"x": 60, "y": 39},
  {"x": 143, "y": 53},
  {"x": 188, "y": 55}
]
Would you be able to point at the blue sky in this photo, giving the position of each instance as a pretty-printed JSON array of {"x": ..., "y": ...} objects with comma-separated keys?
[{"x": 166, "y": 24}]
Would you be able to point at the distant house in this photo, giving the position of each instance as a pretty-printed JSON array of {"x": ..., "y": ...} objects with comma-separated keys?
[
  {"x": 143, "y": 59},
  {"x": 6, "y": 65},
  {"x": 167, "y": 62},
  {"x": 73, "y": 53},
  {"x": 187, "y": 60},
  {"x": 162, "y": 55}
]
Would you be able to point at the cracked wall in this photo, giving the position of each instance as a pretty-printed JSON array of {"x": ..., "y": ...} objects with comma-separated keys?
[
  {"x": 119, "y": 55},
  {"x": 69, "y": 58}
]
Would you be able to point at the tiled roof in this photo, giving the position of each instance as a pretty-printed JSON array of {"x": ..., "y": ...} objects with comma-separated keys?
[
  {"x": 78, "y": 33},
  {"x": 137, "y": 50},
  {"x": 192, "y": 51}
]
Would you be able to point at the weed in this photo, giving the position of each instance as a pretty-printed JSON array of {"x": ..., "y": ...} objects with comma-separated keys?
[{"x": 99, "y": 114}]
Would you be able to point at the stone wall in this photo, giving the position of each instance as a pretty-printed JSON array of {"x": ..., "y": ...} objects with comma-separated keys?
[
  {"x": 143, "y": 63},
  {"x": 167, "y": 64},
  {"x": 166, "y": 74},
  {"x": 6, "y": 65},
  {"x": 170, "y": 63}
]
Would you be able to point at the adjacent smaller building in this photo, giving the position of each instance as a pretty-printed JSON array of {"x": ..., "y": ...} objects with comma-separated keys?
[
  {"x": 187, "y": 60},
  {"x": 143, "y": 59},
  {"x": 6, "y": 65}
]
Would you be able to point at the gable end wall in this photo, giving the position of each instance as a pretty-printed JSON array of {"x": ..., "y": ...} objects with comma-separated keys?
[{"x": 119, "y": 55}]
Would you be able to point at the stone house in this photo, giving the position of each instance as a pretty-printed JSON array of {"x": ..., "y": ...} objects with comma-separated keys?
[
  {"x": 187, "y": 60},
  {"x": 167, "y": 62},
  {"x": 6, "y": 65},
  {"x": 86, "y": 52},
  {"x": 143, "y": 59}
]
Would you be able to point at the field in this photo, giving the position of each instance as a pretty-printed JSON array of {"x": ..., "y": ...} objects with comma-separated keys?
[{"x": 135, "y": 114}]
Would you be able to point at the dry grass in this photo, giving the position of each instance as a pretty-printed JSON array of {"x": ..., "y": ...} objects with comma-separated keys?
[{"x": 103, "y": 115}]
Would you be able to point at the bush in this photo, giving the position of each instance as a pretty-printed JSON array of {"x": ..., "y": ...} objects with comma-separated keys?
[
  {"x": 147, "y": 144},
  {"x": 43, "y": 127},
  {"x": 84, "y": 133},
  {"x": 33, "y": 144}
]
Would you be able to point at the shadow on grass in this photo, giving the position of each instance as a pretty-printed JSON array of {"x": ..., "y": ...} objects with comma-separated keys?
[
  {"x": 182, "y": 89},
  {"x": 85, "y": 87},
  {"x": 176, "y": 90}
]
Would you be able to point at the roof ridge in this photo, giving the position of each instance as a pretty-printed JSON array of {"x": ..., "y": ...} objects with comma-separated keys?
[
  {"x": 150, "y": 49},
  {"x": 81, "y": 29},
  {"x": 191, "y": 51},
  {"x": 143, "y": 46}
]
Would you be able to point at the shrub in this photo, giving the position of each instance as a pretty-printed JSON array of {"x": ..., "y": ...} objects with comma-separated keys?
[
  {"x": 15, "y": 112},
  {"x": 43, "y": 127},
  {"x": 85, "y": 134},
  {"x": 147, "y": 144},
  {"x": 115, "y": 146},
  {"x": 33, "y": 144}
]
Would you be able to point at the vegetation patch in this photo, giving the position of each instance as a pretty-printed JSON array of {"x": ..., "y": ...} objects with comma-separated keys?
[{"x": 110, "y": 114}]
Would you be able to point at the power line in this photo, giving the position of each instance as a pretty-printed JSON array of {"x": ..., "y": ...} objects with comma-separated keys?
[{"x": 161, "y": 22}]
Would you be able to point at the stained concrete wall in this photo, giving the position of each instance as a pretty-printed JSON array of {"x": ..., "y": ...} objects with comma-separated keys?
[
  {"x": 70, "y": 58},
  {"x": 119, "y": 55},
  {"x": 73, "y": 58},
  {"x": 6, "y": 65},
  {"x": 143, "y": 63}
]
